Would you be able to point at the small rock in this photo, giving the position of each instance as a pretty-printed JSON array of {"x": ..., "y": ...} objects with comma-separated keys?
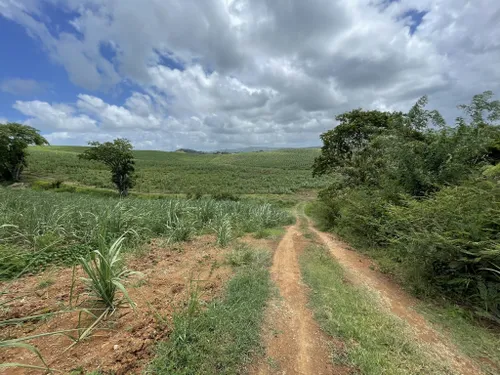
[{"x": 116, "y": 347}]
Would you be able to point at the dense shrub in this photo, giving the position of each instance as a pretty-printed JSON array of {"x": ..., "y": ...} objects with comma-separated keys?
[
  {"x": 421, "y": 195},
  {"x": 451, "y": 241}
]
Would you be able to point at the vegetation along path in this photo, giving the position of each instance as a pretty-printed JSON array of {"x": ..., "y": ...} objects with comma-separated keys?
[
  {"x": 360, "y": 271},
  {"x": 298, "y": 346},
  {"x": 294, "y": 342}
]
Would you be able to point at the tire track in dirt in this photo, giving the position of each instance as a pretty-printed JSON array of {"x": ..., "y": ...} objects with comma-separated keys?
[
  {"x": 298, "y": 345},
  {"x": 360, "y": 271}
]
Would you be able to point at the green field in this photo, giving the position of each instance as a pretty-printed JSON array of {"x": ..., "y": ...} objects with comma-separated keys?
[
  {"x": 38, "y": 228},
  {"x": 269, "y": 172}
]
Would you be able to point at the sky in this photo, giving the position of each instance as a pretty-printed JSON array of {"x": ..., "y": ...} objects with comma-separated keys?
[{"x": 218, "y": 74}]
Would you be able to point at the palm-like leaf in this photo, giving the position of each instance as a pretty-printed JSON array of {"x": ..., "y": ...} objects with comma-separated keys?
[{"x": 105, "y": 272}]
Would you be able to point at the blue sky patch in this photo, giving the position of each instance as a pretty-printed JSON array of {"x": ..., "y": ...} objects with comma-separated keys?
[{"x": 416, "y": 17}]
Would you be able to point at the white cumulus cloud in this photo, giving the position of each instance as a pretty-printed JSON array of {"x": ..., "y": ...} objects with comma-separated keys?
[{"x": 226, "y": 73}]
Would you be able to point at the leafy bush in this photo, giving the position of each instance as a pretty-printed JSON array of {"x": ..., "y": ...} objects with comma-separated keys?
[
  {"x": 451, "y": 241},
  {"x": 421, "y": 196},
  {"x": 360, "y": 217}
]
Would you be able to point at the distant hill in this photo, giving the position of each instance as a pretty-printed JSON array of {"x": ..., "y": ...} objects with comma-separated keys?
[
  {"x": 279, "y": 171},
  {"x": 246, "y": 149},
  {"x": 190, "y": 151},
  {"x": 256, "y": 149}
]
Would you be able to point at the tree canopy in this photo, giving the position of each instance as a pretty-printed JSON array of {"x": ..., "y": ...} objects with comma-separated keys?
[
  {"x": 118, "y": 156},
  {"x": 416, "y": 151},
  {"x": 424, "y": 193},
  {"x": 14, "y": 140}
]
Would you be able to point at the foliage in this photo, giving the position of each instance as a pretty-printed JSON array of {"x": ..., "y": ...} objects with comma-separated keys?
[
  {"x": 14, "y": 140},
  {"x": 349, "y": 138},
  {"x": 39, "y": 228},
  {"x": 423, "y": 193},
  {"x": 105, "y": 270},
  {"x": 452, "y": 239},
  {"x": 223, "y": 230},
  {"x": 270, "y": 172},
  {"x": 375, "y": 342},
  {"x": 118, "y": 156},
  {"x": 221, "y": 338}
]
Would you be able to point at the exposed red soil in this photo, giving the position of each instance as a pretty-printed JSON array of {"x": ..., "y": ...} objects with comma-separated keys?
[
  {"x": 294, "y": 342},
  {"x": 124, "y": 342},
  {"x": 362, "y": 271}
]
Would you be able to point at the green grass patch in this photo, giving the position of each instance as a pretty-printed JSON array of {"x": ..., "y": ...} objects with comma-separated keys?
[
  {"x": 45, "y": 283},
  {"x": 376, "y": 342},
  {"x": 478, "y": 340},
  {"x": 245, "y": 255},
  {"x": 221, "y": 338},
  {"x": 270, "y": 233}
]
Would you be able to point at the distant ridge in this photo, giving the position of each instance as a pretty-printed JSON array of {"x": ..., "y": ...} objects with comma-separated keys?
[
  {"x": 256, "y": 149},
  {"x": 236, "y": 150},
  {"x": 190, "y": 151}
]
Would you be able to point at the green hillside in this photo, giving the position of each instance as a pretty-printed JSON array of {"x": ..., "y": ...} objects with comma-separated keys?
[{"x": 268, "y": 172}]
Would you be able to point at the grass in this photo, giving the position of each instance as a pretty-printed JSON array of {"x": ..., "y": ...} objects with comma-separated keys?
[
  {"x": 244, "y": 255},
  {"x": 375, "y": 342},
  {"x": 221, "y": 338},
  {"x": 478, "y": 340},
  {"x": 39, "y": 228},
  {"x": 45, "y": 283},
  {"x": 224, "y": 231},
  {"x": 269, "y": 233},
  {"x": 270, "y": 172}
]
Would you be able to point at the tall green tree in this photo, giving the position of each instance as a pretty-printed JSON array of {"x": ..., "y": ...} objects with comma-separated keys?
[
  {"x": 354, "y": 132},
  {"x": 14, "y": 140},
  {"x": 118, "y": 156}
]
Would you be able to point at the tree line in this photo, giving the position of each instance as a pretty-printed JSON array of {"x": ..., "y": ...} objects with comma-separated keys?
[
  {"x": 15, "y": 139},
  {"x": 421, "y": 196}
]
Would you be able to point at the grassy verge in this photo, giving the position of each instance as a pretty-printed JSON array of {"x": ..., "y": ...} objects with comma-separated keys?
[
  {"x": 375, "y": 342},
  {"x": 221, "y": 338},
  {"x": 478, "y": 341}
]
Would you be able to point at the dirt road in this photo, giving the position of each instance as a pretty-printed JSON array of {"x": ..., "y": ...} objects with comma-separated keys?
[
  {"x": 360, "y": 271},
  {"x": 294, "y": 342}
]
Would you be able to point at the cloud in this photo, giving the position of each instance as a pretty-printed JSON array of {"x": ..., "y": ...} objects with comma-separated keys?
[
  {"x": 49, "y": 117},
  {"x": 21, "y": 87},
  {"x": 222, "y": 73}
]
